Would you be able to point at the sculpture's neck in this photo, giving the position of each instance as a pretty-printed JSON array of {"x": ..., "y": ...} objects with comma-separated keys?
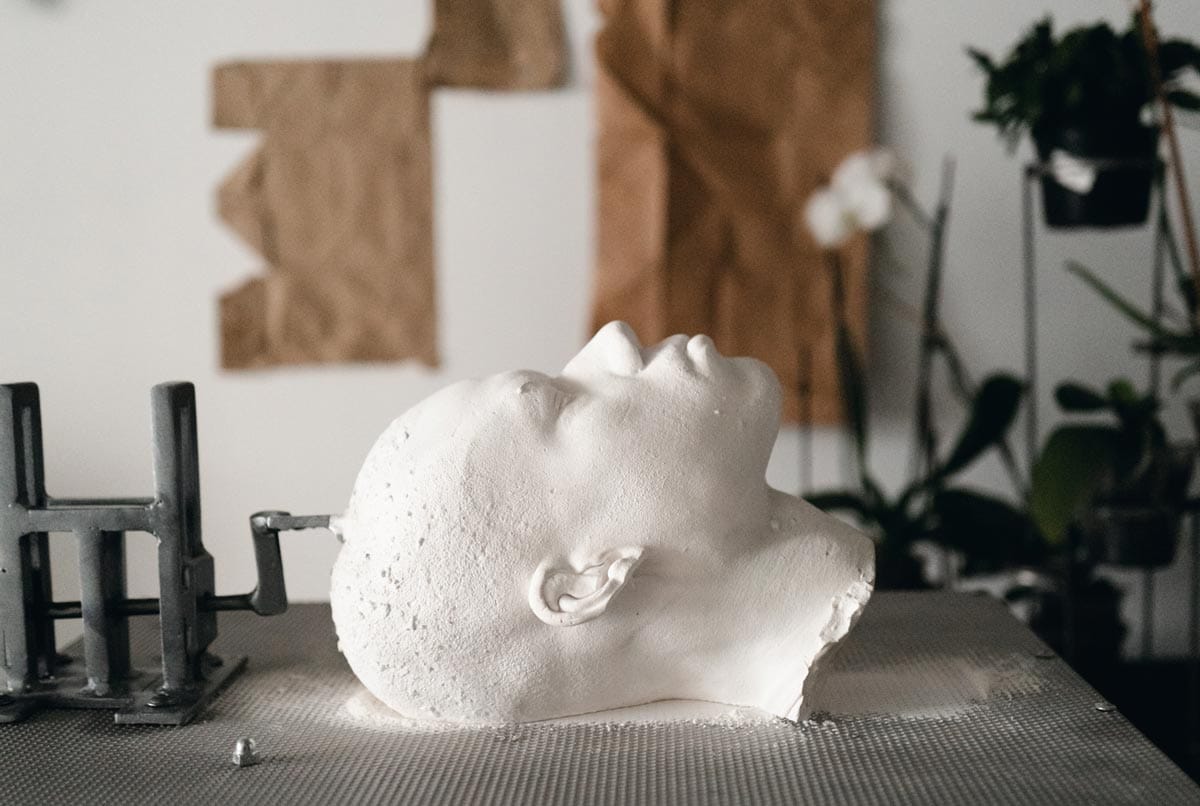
[{"x": 815, "y": 566}]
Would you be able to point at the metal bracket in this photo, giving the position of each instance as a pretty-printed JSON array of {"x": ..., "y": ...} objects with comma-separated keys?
[{"x": 32, "y": 673}]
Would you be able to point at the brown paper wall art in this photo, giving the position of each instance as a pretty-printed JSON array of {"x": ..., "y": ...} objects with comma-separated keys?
[
  {"x": 497, "y": 44},
  {"x": 716, "y": 121},
  {"x": 337, "y": 198}
]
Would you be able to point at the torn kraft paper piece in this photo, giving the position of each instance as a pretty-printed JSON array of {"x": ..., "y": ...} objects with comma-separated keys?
[
  {"x": 715, "y": 125},
  {"x": 337, "y": 200},
  {"x": 497, "y": 44}
]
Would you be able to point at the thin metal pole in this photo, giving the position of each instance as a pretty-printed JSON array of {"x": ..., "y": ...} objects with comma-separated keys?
[
  {"x": 101, "y": 586},
  {"x": 1155, "y": 388},
  {"x": 1193, "y": 715},
  {"x": 924, "y": 446},
  {"x": 1031, "y": 405},
  {"x": 1069, "y": 592},
  {"x": 1147, "y": 613},
  {"x": 804, "y": 431},
  {"x": 804, "y": 407},
  {"x": 1150, "y": 38},
  {"x": 1160, "y": 254}
]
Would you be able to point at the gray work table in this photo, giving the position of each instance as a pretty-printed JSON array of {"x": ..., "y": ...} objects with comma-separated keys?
[{"x": 934, "y": 698}]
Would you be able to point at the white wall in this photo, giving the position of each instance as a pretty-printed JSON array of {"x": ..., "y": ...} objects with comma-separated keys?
[{"x": 112, "y": 257}]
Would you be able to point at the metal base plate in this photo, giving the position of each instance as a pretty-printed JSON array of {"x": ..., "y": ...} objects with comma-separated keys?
[
  {"x": 934, "y": 698},
  {"x": 142, "y": 711},
  {"x": 131, "y": 706}
]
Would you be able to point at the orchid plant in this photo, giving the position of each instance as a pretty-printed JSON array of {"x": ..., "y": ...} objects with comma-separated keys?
[{"x": 861, "y": 197}]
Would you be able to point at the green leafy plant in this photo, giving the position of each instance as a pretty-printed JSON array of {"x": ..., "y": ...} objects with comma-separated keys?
[
  {"x": 1090, "y": 78},
  {"x": 989, "y": 532},
  {"x": 1181, "y": 337},
  {"x": 1124, "y": 460}
]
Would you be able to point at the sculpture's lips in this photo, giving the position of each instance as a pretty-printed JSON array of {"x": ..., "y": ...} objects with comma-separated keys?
[
  {"x": 702, "y": 351},
  {"x": 697, "y": 354},
  {"x": 616, "y": 348}
]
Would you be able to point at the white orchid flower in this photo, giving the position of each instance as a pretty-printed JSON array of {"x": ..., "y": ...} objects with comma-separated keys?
[
  {"x": 827, "y": 220},
  {"x": 856, "y": 199}
]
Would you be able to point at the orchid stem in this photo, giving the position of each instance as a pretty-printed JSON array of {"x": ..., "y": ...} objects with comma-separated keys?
[{"x": 1150, "y": 39}]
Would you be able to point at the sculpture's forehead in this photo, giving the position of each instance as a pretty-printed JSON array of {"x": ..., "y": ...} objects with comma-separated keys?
[{"x": 452, "y": 426}]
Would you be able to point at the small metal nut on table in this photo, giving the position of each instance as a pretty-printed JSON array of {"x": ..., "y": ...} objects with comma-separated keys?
[{"x": 245, "y": 752}]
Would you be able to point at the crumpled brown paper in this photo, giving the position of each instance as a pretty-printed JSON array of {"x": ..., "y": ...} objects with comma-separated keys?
[
  {"x": 716, "y": 122},
  {"x": 497, "y": 44},
  {"x": 337, "y": 199}
]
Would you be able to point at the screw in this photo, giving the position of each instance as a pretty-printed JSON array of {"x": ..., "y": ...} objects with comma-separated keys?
[
  {"x": 163, "y": 699},
  {"x": 245, "y": 753},
  {"x": 1104, "y": 707}
]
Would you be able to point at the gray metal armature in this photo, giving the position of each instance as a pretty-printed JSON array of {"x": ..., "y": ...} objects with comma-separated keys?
[{"x": 33, "y": 673}]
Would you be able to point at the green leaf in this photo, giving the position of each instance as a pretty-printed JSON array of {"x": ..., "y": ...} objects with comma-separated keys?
[
  {"x": 1123, "y": 394},
  {"x": 1176, "y": 55},
  {"x": 1179, "y": 343},
  {"x": 1114, "y": 298},
  {"x": 1185, "y": 374},
  {"x": 992, "y": 413},
  {"x": 1073, "y": 396},
  {"x": 992, "y": 533},
  {"x": 982, "y": 60},
  {"x": 1183, "y": 99},
  {"x": 840, "y": 501},
  {"x": 872, "y": 493},
  {"x": 853, "y": 393},
  {"x": 1073, "y": 467}
]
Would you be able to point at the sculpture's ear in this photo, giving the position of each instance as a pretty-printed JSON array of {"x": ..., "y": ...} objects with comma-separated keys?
[{"x": 562, "y": 596}]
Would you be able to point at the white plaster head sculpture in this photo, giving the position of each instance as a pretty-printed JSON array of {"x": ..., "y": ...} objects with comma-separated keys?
[{"x": 525, "y": 547}]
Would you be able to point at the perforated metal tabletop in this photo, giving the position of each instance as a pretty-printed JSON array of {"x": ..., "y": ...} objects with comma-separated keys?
[{"x": 934, "y": 698}]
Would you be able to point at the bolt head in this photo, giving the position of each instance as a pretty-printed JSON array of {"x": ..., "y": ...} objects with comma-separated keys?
[
  {"x": 163, "y": 699},
  {"x": 1105, "y": 707},
  {"x": 245, "y": 752}
]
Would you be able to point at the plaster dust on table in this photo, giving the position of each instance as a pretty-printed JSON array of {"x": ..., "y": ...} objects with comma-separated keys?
[
  {"x": 364, "y": 709},
  {"x": 935, "y": 687},
  {"x": 526, "y": 547}
]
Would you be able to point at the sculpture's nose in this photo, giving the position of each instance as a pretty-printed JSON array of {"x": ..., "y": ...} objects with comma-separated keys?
[{"x": 615, "y": 349}]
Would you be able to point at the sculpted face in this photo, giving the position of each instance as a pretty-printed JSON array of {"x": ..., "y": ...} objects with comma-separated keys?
[{"x": 524, "y": 547}]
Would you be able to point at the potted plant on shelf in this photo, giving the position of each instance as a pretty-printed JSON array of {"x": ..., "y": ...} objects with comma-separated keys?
[
  {"x": 1087, "y": 102},
  {"x": 1119, "y": 485}
]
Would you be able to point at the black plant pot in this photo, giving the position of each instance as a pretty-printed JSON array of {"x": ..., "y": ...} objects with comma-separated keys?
[
  {"x": 1121, "y": 195},
  {"x": 1131, "y": 536}
]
